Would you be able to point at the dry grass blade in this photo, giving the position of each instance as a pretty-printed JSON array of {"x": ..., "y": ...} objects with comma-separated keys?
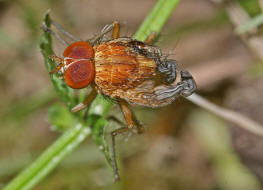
[{"x": 229, "y": 115}]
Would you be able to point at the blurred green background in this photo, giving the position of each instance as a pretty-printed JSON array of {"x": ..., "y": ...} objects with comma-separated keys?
[{"x": 184, "y": 147}]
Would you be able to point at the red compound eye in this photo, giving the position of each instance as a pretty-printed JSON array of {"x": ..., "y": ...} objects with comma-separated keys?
[
  {"x": 80, "y": 72},
  {"x": 79, "y": 50}
]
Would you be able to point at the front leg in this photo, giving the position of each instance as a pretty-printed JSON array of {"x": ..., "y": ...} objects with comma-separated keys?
[
  {"x": 45, "y": 28},
  {"x": 88, "y": 100}
]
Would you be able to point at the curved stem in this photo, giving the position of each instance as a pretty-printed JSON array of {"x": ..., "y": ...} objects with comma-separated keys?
[
  {"x": 229, "y": 115},
  {"x": 46, "y": 162},
  {"x": 156, "y": 19}
]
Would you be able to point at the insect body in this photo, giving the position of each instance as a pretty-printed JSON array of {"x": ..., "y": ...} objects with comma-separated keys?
[
  {"x": 128, "y": 70},
  {"x": 122, "y": 68},
  {"x": 124, "y": 73}
]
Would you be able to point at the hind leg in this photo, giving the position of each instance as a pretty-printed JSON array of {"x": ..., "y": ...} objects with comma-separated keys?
[{"x": 132, "y": 126}]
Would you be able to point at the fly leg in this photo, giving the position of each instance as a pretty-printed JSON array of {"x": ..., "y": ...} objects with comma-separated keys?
[
  {"x": 184, "y": 88},
  {"x": 60, "y": 29},
  {"x": 132, "y": 125},
  {"x": 45, "y": 28},
  {"x": 116, "y": 120},
  {"x": 114, "y": 162},
  {"x": 114, "y": 27},
  {"x": 63, "y": 31},
  {"x": 86, "y": 102},
  {"x": 57, "y": 59},
  {"x": 116, "y": 30},
  {"x": 150, "y": 38},
  {"x": 132, "y": 122}
]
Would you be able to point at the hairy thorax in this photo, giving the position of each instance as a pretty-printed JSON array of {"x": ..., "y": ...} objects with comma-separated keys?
[{"x": 120, "y": 68}]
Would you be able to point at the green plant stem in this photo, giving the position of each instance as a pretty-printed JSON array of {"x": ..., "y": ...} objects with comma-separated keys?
[
  {"x": 50, "y": 158},
  {"x": 76, "y": 134},
  {"x": 156, "y": 19},
  {"x": 237, "y": 118},
  {"x": 252, "y": 24}
]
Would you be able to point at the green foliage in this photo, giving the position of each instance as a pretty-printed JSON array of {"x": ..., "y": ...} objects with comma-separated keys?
[
  {"x": 47, "y": 161},
  {"x": 256, "y": 70},
  {"x": 60, "y": 118},
  {"x": 251, "y": 6},
  {"x": 19, "y": 110},
  {"x": 30, "y": 18},
  {"x": 156, "y": 19},
  {"x": 4, "y": 38},
  {"x": 252, "y": 24}
]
